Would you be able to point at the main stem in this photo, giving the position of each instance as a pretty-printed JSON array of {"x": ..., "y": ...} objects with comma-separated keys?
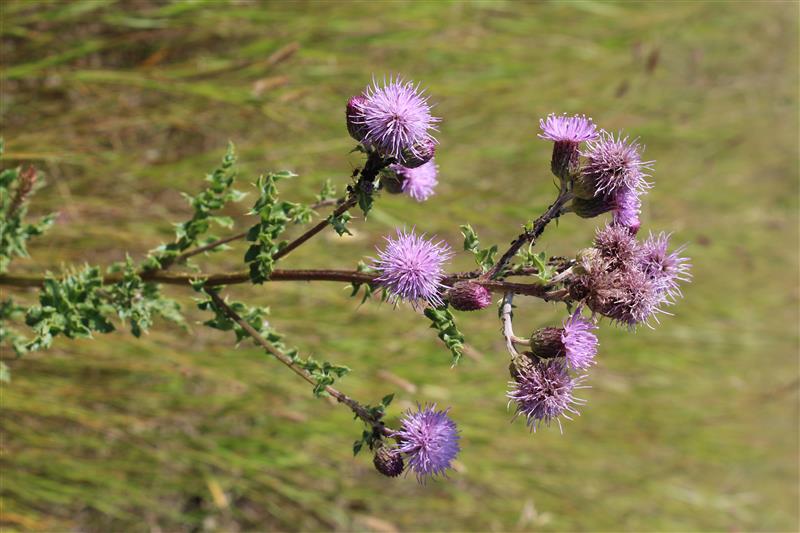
[
  {"x": 530, "y": 235},
  {"x": 375, "y": 163},
  {"x": 359, "y": 410},
  {"x": 344, "y": 276}
]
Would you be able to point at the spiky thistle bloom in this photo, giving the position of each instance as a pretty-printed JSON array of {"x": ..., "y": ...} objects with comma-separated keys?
[
  {"x": 397, "y": 120},
  {"x": 469, "y": 296},
  {"x": 616, "y": 244},
  {"x": 561, "y": 128},
  {"x": 580, "y": 344},
  {"x": 543, "y": 392},
  {"x": 566, "y": 133},
  {"x": 614, "y": 163},
  {"x": 665, "y": 269},
  {"x": 419, "y": 183},
  {"x": 632, "y": 298},
  {"x": 627, "y": 207},
  {"x": 410, "y": 268},
  {"x": 429, "y": 440}
]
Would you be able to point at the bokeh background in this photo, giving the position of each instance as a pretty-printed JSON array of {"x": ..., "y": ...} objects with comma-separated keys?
[{"x": 123, "y": 104}]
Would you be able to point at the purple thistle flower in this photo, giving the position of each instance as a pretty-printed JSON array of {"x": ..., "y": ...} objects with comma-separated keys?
[
  {"x": 397, "y": 119},
  {"x": 410, "y": 268},
  {"x": 429, "y": 440},
  {"x": 567, "y": 133},
  {"x": 627, "y": 207},
  {"x": 543, "y": 391},
  {"x": 664, "y": 269},
  {"x": 561, "y": 128},
  {"x": 580, "y": 344},
  {"x": 616, "y": 244},
  {"x": 613, "y": 164},
  {"x": 634, "y": 299},
  {"x": 419, "y": 183}
]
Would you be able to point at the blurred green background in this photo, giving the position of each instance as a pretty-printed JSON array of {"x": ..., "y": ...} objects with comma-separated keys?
[{"x": 691, "y": 426}]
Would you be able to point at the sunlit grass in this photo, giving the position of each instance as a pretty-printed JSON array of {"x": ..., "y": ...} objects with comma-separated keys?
[{"x": 692, "y": 426}]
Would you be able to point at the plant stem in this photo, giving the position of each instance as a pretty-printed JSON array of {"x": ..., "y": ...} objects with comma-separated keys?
[
  {"x": 344, "y": 276},
  {"x": 359, "y": 410},
  {"x": 210, "y": 246},
  {"x": 375, "y": 163},
  {"x": 530, "y": 235}
]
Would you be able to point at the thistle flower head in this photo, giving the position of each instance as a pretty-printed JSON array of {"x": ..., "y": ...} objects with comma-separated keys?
[
  {"x": 429, "y": 440},
  {"x": 627, "y": 207},
  {"x": 632, "y": 299},
  {"x": 543, "y": 392},
  {"x": 615, "y": 163},
  {"x": 616, "y": 244},
  {"x": 397, "y": 119},
  {"x": 665, "y": 269},
  {"x": 580, "y": 344},
  {"x": 419, "y": 183},
  {"x": 410, "y": 268},
  {"x": 561, "y": 128},
  {"x": 469, "y": 296}
]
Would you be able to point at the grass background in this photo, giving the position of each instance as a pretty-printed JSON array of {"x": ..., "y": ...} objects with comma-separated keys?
[{"x": 691, "y": 426}]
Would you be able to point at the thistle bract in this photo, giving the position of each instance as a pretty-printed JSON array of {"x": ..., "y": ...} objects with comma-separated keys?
[
  {"x": 388, "y": 462},
  {"x": 469, "y": 296}
]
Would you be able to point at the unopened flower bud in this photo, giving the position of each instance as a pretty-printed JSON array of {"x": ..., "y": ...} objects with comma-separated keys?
[
  {"x": 546, "y": 343},
  {"x": 422, "y": 152},
  {"x": 469, "y": 296},
  {"x": 356, "y": 125},
  {"x": 590, "y": 208},
  {"x": 388, "y": 462}
]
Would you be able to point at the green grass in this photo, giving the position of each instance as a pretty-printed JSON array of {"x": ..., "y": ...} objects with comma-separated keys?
[{"x": 691, "y": 426}]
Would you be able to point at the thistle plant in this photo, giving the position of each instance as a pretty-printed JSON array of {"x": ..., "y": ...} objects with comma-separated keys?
[{"x": 617, "y": 276}]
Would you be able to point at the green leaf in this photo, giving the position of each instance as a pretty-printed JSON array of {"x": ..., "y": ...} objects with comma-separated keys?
[
  {"x": 483, "y": 257},
  {"x": 443, "y": 321},
  {"x": 213, "y": 198},
  {"x": 274, "y": 217}
]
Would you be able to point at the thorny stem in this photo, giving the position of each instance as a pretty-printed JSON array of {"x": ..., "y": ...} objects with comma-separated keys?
[
  {"x": 530, "y": 235},
  {"x": 210, "y": 246},
  {"x": 359, "y": 410},
  {"x": 346, "y": 276},
  {"x": 375, "y": 163}
]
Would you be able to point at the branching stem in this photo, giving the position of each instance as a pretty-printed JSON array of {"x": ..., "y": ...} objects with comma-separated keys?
[
  {"x": 531, "y": 234},
  {"x": 346, "y": 276},
  {"x": 359, "y": 410}
]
